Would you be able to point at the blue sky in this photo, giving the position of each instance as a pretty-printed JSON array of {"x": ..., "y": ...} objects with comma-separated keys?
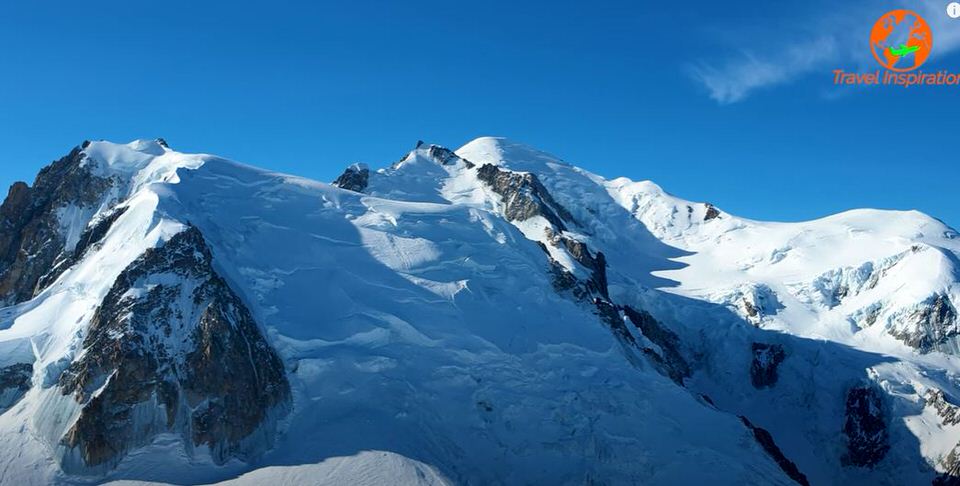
[{"x": 728, "y": 102}]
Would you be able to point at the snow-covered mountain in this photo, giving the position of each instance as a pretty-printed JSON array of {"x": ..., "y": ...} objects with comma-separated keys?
[{"x": 491, "y": 315}]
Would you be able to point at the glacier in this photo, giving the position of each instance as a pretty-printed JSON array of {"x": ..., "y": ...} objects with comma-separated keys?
[{"x": 489, "y": 315}]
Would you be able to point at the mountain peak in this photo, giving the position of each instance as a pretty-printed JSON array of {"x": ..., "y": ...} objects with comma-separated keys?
[
  {"x": 157, "y": 146},
  {"x": 508, "y": 153},
  {"x": 489, "y": 149},
  {"x": 177, "y": 311},
  {"x": 129, "y": 155}
]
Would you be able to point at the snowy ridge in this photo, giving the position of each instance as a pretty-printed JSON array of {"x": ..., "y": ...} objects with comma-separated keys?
[{"x": 465, "y": 313}]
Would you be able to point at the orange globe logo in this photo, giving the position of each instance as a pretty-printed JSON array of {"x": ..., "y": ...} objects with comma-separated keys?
[{"x": 901, "y": 40}]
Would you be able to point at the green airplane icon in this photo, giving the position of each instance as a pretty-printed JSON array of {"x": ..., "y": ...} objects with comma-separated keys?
[{"x": 903, "y": 50}]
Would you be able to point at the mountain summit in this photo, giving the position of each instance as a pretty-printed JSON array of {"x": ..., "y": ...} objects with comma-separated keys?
[{"x": 485, "y": 315}]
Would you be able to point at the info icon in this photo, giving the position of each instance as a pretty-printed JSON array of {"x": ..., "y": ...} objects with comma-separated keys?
[{"x": 953, "y": 10}]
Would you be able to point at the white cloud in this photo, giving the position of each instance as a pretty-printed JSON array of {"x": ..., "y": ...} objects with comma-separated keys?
[
  {"x": 836, "y": 42},
  {"x": 737, "y": 77}
]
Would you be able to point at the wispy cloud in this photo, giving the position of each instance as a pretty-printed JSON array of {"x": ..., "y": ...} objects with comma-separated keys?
[
  {"x": 834, "y": 42},
  {"x": 738, "y": 76}
]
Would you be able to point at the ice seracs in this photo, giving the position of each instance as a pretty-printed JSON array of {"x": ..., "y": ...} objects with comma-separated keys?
[{"x": 490, "y": 314}]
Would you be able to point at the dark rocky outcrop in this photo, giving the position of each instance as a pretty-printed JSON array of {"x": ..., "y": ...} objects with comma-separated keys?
[
  {"x": 750, "y": 309},
  {"x": 609, "y": 313},
  {"x": 665, "y": 358},
  {"x": 439, "y": 154},
  {"x": 669, "y": 358},
  {"x": 935, "y": 325},
  {"x": 766, "y": 360},
  {"x": 14, "y": 383},
  {"x": 173, "y": 349},
  {"x": 661, "y": 346},
  {"x": 663, "y": 350},
  {"x": 562, "y": 279},
  {"x": 523, "y": 196},
  {"x": 951, "y": 473},
  {"x": 865, "y": 426},
  {"x": 948, "y": 412},
  {"x": 758, "y": 301},
  {"x": 355, "y": 178},
  {"x": 96, "y": 232},
  {"x": 596, "y": 264},
  {"x": 712, "y": 212},
  {"x": 765, "y": 439},
  {"x": 91, "y": 237},
  {"x": 445, "y": 156},
  {"x": 31, "y": 239}
]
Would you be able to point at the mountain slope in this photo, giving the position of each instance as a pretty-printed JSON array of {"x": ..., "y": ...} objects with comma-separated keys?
[{"x": 486, "y": 315}]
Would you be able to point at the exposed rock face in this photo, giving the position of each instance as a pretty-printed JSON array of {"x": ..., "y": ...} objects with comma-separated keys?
[
  {"x": 445, "y": 156},
  {"x": 951, "y": 473},
  {"x": 757, "y": 301},
  {"x": 766, "y": 441},
  {"x": 669, "y": 358},
  {"x": 750, "y": 309},
  {"x": 31, "y": 238},
  {"x": 173, "y": 349},
  {"x": 14, "y": 383},
  {"x": 659, "y": 345},
  {"x": 596, "y": 264},
  {"x": 865, "y": 427},
  {"x": 562, "y": 279},
  {"x": 93, "y": 234},
  {"x": 948, "y": 412},
  {"x": 936, "y": 324},
  {"x": 439, "y": 154},
  {"x": 523, "y": 196},
  {"x": 91, "y": 237},
  {"x": 712, "y": 212},
  {"x": 763, "y": 368},
  {"x": 609, "y": 313},
  {"x": 355, "y": 178}
]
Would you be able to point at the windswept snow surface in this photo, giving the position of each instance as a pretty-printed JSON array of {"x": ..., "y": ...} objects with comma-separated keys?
[
  {"x": 425, "y": 343},
  {"x": 832, "y": 291},
  {"x": 368, "y": 468}
]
